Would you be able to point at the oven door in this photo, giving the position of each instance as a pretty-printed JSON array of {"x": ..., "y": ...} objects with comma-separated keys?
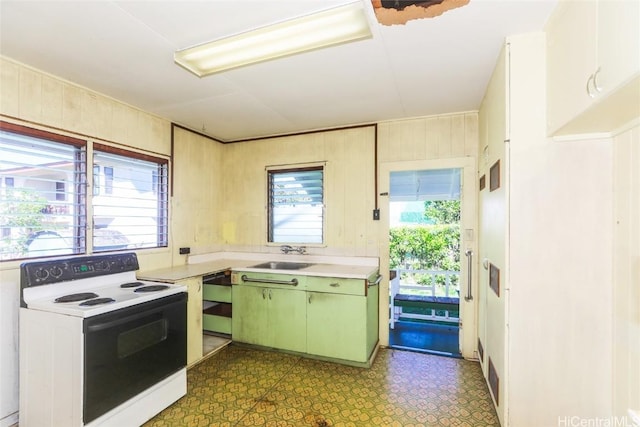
[{"x": 127, "y": 351}]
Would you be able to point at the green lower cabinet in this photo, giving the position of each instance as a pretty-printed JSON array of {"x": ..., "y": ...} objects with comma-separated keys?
[
  {"x": 331, "y": 318},
  {"x": 269, "y": 317},
  {"x": 337, "y": 326}
]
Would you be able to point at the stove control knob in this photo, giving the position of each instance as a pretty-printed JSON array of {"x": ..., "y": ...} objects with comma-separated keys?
[
  {"x": 55, "y": 271},
  {"x": 41, "y": 274},
  {"x": 103, "y": 265}
]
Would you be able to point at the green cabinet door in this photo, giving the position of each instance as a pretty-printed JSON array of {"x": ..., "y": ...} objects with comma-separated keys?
[
  {"x": 287, "y": 319},
  {"x": 250, "y": 313},
  {"x": 269, "y": 317},
  {"x": 337, "y": 326}
]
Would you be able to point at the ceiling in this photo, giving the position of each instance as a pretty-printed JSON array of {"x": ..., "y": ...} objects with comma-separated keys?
[{"x": 124, "y": 49}]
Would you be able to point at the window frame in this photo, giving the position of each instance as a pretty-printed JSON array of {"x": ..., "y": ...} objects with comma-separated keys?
[
  {"x": 83, "y": 240},
  {"x": 271, "y": 170},
  {"x": 79, "y": 226},
  {"x": 162, "y": 232}
]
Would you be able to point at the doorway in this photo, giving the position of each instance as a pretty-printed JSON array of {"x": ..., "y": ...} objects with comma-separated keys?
[
  {"x": 424, "y": 251},
  {"x": 429, "y": 224}
]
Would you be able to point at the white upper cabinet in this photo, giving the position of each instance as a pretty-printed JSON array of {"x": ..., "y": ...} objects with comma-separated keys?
[
  {"x": 571, "y": 60},
  {"x": 593, "y": 66},
  {"x": 618, "y": 43}
]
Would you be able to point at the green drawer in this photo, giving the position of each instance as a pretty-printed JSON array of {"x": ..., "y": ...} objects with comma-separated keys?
[
  {"x": 216, "y": 293},
  {"x": 337, "y": 285},
  {"x": 217, "y": 317},
  {"x": 214, "y": 323}
]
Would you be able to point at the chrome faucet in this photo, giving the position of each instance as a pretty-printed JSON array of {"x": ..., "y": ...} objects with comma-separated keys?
[{"x": 287, "y": 249}]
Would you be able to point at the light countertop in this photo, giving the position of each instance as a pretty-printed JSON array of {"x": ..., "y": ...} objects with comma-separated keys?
[{"x": 324, "y": 266}]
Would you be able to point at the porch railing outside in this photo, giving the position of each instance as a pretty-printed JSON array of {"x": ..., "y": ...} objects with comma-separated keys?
[
  {"x": 435, "y": 283},
  {"x": 424, "y": 283}
]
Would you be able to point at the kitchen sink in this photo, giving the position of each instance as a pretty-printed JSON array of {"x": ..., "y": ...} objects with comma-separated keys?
[{"x": 282, "y": 265}]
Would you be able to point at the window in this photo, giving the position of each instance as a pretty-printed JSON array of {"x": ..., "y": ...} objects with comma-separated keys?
[
  {"x": 38, "y": 217},
  {"x": 61, "y": 194},
  {"x": 44, "y": 199},
  {"x": 6, "y": 231},
  {"x": 296, "y": 206},
  {"x": 96, "y": 180},
  {"x": 108, "y": 180},
  {"x": 132, "y": 210}
]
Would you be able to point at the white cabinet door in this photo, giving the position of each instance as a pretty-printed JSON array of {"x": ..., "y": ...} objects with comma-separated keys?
[
  {"x": 571, "y": 60},
  {"x": 593, "y": 66},
  {"x": 618, "y": 43}
]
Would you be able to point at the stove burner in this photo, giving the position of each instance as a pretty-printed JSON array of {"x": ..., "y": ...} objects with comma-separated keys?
[
  {"x": 97, "y": 301},
  {"x": 151, "y": 288},
  {"x": 76, "y": 297},
  {"x": 131, "y": 285}
]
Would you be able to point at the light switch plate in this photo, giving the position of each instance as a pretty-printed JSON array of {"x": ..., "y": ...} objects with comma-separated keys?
[{"x": 468, "y": 234}]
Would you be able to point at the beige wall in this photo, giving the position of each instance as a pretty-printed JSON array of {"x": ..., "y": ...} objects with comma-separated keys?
[
  {"x": 626, "y": 273},
  {"x": 33, "y": 96},
  {"x": 350, "y": 172},
  {"x": 349, "y": 189},
  {"x": 197, "y": 196},
  {"x": 428, "y": 138}
]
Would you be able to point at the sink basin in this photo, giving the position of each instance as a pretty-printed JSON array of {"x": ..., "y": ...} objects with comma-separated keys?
[{"x": 282, "y": 265}]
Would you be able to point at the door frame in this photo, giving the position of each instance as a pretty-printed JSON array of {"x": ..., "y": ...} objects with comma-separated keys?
[{"x": 469, "y": 237}]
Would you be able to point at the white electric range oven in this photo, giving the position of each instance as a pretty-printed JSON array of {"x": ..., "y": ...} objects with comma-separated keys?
[{"x": 97, "y": 346}]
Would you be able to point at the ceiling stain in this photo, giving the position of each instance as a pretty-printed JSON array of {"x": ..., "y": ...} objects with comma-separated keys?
[{"x": 399, "y": 12}]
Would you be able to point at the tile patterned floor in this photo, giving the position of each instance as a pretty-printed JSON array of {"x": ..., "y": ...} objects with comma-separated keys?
[{"x": 245, "y": 387}]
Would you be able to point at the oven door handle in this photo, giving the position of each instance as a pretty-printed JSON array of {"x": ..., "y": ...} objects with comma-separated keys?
[
  {"x": 110, "y": 324},
  {"x": 106, "y": 325}
]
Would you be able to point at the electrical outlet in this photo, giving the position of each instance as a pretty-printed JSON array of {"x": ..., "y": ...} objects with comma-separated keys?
[
  {"x": 376, "y": 214},
  {"x": 185, "y": 251}
]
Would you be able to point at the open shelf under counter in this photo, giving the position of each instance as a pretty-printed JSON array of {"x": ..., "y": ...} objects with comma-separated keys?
[{"x": 217, "y": 306}]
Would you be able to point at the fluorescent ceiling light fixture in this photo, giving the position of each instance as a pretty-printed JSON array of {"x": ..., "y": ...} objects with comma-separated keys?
[{"x": 319, "y": 30}]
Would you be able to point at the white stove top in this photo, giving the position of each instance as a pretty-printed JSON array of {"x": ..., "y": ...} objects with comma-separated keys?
[{"x": 43, "y": 297}]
